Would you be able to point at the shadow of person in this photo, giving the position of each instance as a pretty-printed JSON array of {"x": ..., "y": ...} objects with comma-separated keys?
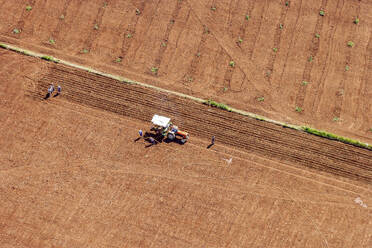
[
  {"x": 209, "y": 146},
  {"x": 137, "y": 139},
  {"x": 56, "y": 95},
  {"x": 47, "y": 96}
]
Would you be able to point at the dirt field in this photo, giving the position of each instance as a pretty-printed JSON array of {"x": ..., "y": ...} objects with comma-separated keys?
[
  {"x": 189, "y": 44},
  {"x": 72, "y": 175}
]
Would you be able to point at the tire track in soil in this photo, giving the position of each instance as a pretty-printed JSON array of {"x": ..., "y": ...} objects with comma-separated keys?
[
  {"x": 191, "y": 72},
  {"x": 277, "y": 39},
  {"x": 93, "y": 34},
  {"x": 265, "y": 139},
  {"x": 366, "y": 87},
  {"x": 164, "y": 45},
  {"x": 293, "y": 39},
  {"x": 341, "y": 89},
  {"x": 245, "y": 24},
  {"x": 147, "y": 31},
  {"x": 256, "y": 32},
  {"x": 61, "y": 23},
  {"x": 22, "y": 20},
  {"x": 318, "y": 92},
  {"x": 314, "y": 48},
  {"x": 131, "y": 30}
]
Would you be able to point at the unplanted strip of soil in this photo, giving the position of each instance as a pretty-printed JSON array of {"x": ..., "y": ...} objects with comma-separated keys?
[{"x": 264, "y": 139}]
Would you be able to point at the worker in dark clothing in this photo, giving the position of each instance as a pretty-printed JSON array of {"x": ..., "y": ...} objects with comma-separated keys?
[
  {"x": 213, "y": 139},
  {"x": 59, "y": 89},
  {"x": 140, "y": 133}
]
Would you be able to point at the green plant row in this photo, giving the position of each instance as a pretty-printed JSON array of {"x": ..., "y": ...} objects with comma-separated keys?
[
  {"x": 217, "y": 105},
  {"x": 335, "y": 137},
  {"x": 50, "y": 58}
]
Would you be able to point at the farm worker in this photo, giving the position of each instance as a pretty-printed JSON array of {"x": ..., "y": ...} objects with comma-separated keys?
[
  {"x": 51, "y": 89},
  {"x": 59, "y": 89},
  {"x": 213, "y": 139},
  {"x": 140, "y": 133}
]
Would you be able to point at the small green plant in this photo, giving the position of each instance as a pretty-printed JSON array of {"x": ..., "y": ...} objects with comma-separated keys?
[
  {"x": 310, "y": 58},
  {"x": 350, "y": 44},
  {"x": 52, "y": 41},
  {"x": 28, "y": 8},
  {"x": 336, "y": 118},
  {"x": 299, "y": 109},
  {"x": 370, "y": 129},
  {"x": 105, "y": 4},
  {"x": 247, "y": 17},
  {"x": 154, "y": 70},
  {"x": 213, "y": 8},
  {"x": 190, "y": 79},
  {"x": 85, "y": 51},
  {"x": 163, "y": 44},
  {"x": 48, "y": 58},
  {"x": 240, "y": 40},
  {"x": 198, "y": 55},
  {"x": 16, "y": 31},
  {"x": 96, "y": 26},
  {"x": 129, "y": 35},
  {"x": 281, "y": 26},
  {"x": 347, "y": 68},
  {"x": 356, "y": 21},
  {"x": 225, "y": 89},
  {"x": 172, "y": 21},
  {"x": 138, "y": 12},
  {"x": 61, "y": 17},
  {"x": 232, "y": 63},
  {"x": 206, "y": 30},
  {"x": 268, "y": 73},
  {"x": 261, "y": 99},
  {"x": 118, "y": 60},
  {"x": 275, "y": 49},
  {"x": 217, "y": 105},
  {"x": 305, "y": 83},
  {"x": 322, "y": 13},
  {"x": 317, "y": 36},
  {"x": 286, "y": 3}
]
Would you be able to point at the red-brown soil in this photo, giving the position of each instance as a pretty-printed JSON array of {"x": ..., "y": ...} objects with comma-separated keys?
[
  {"x": 192, "y": 45},
  {"x": 73, "y": 176}
]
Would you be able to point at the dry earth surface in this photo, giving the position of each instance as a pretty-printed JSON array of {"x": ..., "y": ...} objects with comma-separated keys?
[
  {"x": 190, "y": 43},
  {"x": 72, "y": 175}
]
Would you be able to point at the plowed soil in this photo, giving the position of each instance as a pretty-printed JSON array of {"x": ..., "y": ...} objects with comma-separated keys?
[
  {"x": 74, "y": 174},
  {"x": 288, "y": 56}
]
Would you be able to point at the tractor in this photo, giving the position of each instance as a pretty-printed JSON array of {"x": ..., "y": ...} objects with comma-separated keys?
[{"x": 164, "y": 128}]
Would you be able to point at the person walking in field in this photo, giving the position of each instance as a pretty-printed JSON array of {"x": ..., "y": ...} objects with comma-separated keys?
[{"x": 140, "y": 133}]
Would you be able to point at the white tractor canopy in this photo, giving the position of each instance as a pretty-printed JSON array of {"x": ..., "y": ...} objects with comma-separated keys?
[{"x": 160, "y": 120}]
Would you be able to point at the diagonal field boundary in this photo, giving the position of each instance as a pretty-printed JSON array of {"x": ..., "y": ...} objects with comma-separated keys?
[{"x": 195, "y": 99}]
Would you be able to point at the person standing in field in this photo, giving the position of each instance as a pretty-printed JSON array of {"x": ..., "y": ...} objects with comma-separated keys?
[
  {"x": 213, "y": 139},
  {"x": 59, "y": 89},
  {"x": 140, "y": 133},
  {"x": 51, "y": 89}
]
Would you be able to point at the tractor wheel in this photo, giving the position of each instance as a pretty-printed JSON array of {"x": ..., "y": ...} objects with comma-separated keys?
[{"x": 171, "y": 136}]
